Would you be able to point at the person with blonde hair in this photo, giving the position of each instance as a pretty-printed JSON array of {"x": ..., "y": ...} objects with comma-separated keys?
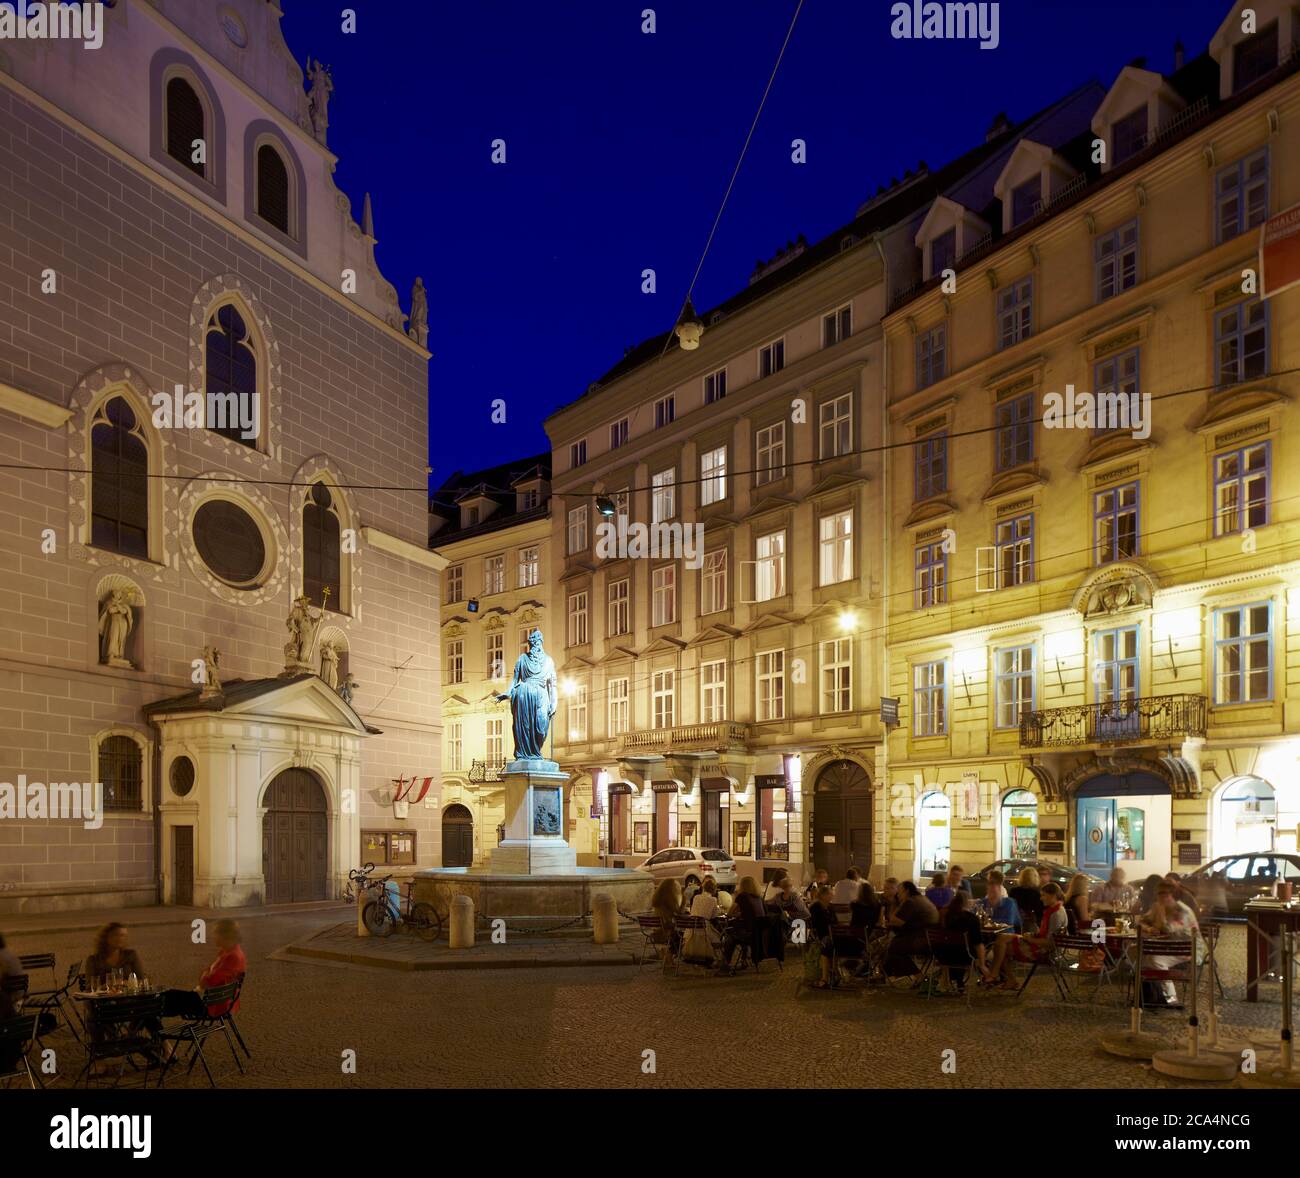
[
  {"x": 1077, "y": 911},
  {"x": 229, "y": 966},
  {"x": 749, "y": 924},
  {"x": 1027, "y": 896},
  {"x": 666, "y": 903}
]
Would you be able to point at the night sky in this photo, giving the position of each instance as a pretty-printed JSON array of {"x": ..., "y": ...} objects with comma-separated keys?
[{"x": 620, "y": 146}]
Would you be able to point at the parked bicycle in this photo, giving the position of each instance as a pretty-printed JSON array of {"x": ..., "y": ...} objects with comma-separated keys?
[
  {"x": 361, "y": 877},
  {"x": 383, "y": 915}
]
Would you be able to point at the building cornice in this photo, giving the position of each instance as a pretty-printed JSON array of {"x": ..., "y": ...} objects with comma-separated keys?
[
  {"x": 32, "y": 407},
  {"x": 396, "y": 546}
]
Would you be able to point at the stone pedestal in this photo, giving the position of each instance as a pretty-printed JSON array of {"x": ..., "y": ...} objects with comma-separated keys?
[{"x": 534, "y": 842}]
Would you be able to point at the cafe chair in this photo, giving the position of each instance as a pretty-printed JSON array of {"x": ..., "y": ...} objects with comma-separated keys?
[
  {"x": 949, "y": 950},
  {"x": 694, "y": 932},
  {"x": 655, "y": 937},
  {"x": 1077, "y": 957},
  {"x": 228, "y": 1015},
  {"x": 57, "y": 1003},
  {"x": 193, "y": 1031},
  {"x": 1176, "y": 955},
  {"x": 124, "y": 1027},
  {"x": 19, "y": 1032},
  {"x": 15, "y": 985}
]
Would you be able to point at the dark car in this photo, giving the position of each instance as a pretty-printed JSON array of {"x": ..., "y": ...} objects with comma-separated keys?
[
  {"x": 1011, "y": 868},
  {"x": 1227, "y": 883}
]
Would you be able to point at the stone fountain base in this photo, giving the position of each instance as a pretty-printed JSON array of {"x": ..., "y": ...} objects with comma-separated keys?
[{"x": 535, "y": 900}]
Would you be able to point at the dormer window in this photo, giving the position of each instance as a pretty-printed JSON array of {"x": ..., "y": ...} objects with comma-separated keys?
[
  {"x": 943, "y": 252},
  {"x": 1129, "y": 135},
  {"x": 1254, "y": 58},
  {"x": 529, "y": 499},
  {"x": 1033, "y": 174},
  {"x": 948, "y": 233},
  {"x": 469, "y": 516},
  {"x": 1025, "y": 199}
]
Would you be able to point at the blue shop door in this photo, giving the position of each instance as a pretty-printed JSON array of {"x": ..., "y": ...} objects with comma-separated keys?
[{"x": 1096, "y": 834}]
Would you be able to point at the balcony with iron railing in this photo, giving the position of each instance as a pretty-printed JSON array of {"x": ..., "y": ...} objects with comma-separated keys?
[
  {"x": 485, "y": 771},
  {"x": 1120, "y": 721},
  {"x": 689, "y": 738}
]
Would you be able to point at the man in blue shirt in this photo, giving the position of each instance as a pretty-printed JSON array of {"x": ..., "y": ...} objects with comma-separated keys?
[{"x": 1000, "y": 907}]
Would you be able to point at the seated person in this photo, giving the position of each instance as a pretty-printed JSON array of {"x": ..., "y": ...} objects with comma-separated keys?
[
  {"x": 1114, "y": 895},
  {"x": 1035, "y": 949},
  {"x": 789, "y": 901},
  {"x": 821, "y": 925},
  {"x": 230, "y": 965},
  {"x": 666, "y": 903},
  {"x": 889, "y": 897},
  {"x": 915, "y": 914},
  {"x": 1168, "y": 917},
  {"x": 957, "y": 879},
  {"x": 1027, "y": 896},
  {"x": 939, "y": 893},
  {"x": 750, "y": 924},
  {"x": 698, "y": 945},
  {"x": 998, "y": 906},
  {"x": 959, "y": 917},
  {"x": 112, "y": 951},
  {"x": 866, "y": 910},
  {"x": 725, "y": 901},
  {"x": 821, "y": 879},
  {"x": 846, "y": 891}
]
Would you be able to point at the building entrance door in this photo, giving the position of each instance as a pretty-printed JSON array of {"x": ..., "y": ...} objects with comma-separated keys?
[
  {"x": 294, "y": 838},
  {"x": 842, "y": 819},
  {"x": 183, "y": 865},
  {"x": 457, "y": 837},
  {"x": 716, "y": 795}
]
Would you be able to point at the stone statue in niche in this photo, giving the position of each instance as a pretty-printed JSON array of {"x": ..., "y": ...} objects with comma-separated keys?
[
  {"x": 329, "y": 665},
  {"x": 116, "y": 621},
  {"x": 211, "y": 677},
  {"x": 347, "y": 687},
  {"x": 303, "y": 627},
  {"x": 419, "y": 329},
  {"x": 318, "y": 97}
]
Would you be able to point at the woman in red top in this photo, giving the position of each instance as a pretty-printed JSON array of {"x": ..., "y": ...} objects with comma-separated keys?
[{"x": 229, "y": 966}]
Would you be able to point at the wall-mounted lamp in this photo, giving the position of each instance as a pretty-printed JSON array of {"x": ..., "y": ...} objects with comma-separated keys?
[
  {"x": 605, "y": 506},
  {"x": 689, "y": 328},
  {"x": 848, "y": 620}
]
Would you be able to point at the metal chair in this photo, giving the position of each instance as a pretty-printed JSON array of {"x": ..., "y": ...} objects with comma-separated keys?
[
  {"x": 685, "y": 927},
  {"x": 1105, "y": 970},
  {"x": 656, "y": 937},
  {"x": 193, "y": 1031},
  {"x": 949, "y": 949},
  {"x": 19, "y": 1033},
  {"x": 124, "y": 1027},
  {"x": 228, "y": 1015},
  {"x": 15, "y": 985},
  {"x": 1177, "y": 950},
  {"x": 58, "y": 1003}
]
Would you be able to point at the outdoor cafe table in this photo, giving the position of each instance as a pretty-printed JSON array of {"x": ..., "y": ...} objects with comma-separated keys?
[{"x": 1265, "y": 920}]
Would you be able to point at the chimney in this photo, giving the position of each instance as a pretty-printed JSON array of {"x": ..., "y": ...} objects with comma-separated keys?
[
  {"x": 1178, "y": 55},
  {"x": 999, "y": 125}
]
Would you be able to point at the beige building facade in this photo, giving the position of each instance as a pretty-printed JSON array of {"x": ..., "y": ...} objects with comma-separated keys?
[{"x": 1094, "y": 586}]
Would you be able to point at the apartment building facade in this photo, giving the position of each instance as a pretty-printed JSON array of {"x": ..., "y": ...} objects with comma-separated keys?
[
  {"x": 1093, "y": 613},
  {"x": 493, "y": 528}
]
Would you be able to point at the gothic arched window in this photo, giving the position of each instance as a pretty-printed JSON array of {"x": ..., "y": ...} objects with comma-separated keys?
[
  {"x": 121, "y": 769},
  {"x": 321, "y": 559},
  {"x": 186, "y": 122},
  {"x": 119, "y": 481},
  {"x": 232, "y": 368},
  {"x": 272, "y": 188}
]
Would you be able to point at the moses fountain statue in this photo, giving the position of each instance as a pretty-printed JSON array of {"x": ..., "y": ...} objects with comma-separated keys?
[{"x": 533, "y": 700}]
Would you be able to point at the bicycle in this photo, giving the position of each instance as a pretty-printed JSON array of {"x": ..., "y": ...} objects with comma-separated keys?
[
  {"x": 361, "y": 877},
  {"x": 383, "y": 915}
]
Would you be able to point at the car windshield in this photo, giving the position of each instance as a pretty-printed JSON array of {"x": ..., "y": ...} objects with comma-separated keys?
[{"x": 715, "y": 856}]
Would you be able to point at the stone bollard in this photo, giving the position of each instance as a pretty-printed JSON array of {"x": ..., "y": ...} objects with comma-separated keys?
[
  {"x": 461, "y": 934},
  {"x": 604, "y": 919}
]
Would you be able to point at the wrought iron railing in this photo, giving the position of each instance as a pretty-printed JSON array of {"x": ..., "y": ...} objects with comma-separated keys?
[
  {"x": 1121, "y": 721},
  {"x": 687, "y": 738},
  {"x": 480, "y": 771}
]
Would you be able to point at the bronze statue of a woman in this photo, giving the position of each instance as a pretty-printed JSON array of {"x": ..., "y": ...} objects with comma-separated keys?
[{"x": 532, "y": 699}]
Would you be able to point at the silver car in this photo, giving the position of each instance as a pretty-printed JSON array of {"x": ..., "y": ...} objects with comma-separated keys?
[{"x": 693, "y": 865}]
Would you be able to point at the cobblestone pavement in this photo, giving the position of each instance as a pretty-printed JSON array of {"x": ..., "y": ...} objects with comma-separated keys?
[{"x": 590, "y": 1026}]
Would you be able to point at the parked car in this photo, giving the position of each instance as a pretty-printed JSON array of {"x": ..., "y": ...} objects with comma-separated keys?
[
  {"x": 1226, "y": 884},
  {"x": 692, "y": 865},
  {"x": 1011, "y": 868}
]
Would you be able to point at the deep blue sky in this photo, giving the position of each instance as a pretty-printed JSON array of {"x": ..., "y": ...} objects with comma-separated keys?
[{"x": 619, "y": 150}]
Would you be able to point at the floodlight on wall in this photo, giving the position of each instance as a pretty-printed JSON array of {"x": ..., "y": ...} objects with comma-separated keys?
[
  {"x": 568, "y": 687},
  {"x": 606, "y": 506},
  {"x": 848, "y": 620}
]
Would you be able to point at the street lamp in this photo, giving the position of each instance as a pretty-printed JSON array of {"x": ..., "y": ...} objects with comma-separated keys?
[
  {"x": 689, "y": 328},
  {"x": 605, "y": 506},
  {"x": 848, "y": 620}
]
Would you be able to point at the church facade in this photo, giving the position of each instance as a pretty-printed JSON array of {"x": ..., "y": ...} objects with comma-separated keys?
[{"x": 212, "y": 623}]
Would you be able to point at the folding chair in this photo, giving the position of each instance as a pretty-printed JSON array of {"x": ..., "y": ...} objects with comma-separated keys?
[
  {"x": 685, "y": 927},
  {"x": 1085, "y": 947},
  {"x": 57, "y": 1002},
  {"x": 19, "y": 1032},
  {"x": 15, "y": 985},
  {"x": 848, "y": 947},
  {"x": 948, "y": 950},
  {"x": 228, "y": 1015},
  {"x": 124, "y": 1027},
  {"x": 1177, "y": 952},
  {"x": 655, "y": 936},
  {"x": 193, "y": 1031},
  {"x": 1051, "y": 961}
]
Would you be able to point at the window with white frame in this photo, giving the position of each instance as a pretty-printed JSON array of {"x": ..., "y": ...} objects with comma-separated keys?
[
  {"x": 1117, "y": 383},
  {"x": 1015, "y": 431},
  {"x": 577, "y": 529},
  {"x": 663, "y": 597},
  {"x": 931, "y": 581},
  {"x": 713, "y": 582},
  {"x": 931, "y": 355},
  {"x": 617, "y": 698},
  {"x": 494, "y": 574},
  {"x": 713, "y": 691},
  {"x": 618, "y": 618},
  {"x": 578, "y": 714},
  {"x": 713, "y": 475},
  {"x": 577, "y": 453},
  {"x": 769, "y": 566},
  {"x": 530, "y": 567},
  {"x": 495, "y": 749},
  {"x": 663, "y": 495},
  {"x": 456, "y": 661},
  {"x": 618, "y": 433},
  {"x": 529, "y": 498},
  {"x": 495, "y": 647},
  {"x": 1014, "y": 545},
  {"x": 715, "y": 386},
  {"x": 1013, "y": 677},
  {"x": 1115, "y": 523},
  {"x": 929, "y": 699},
  {"x": 665, "y": 411},
  {"x": 1241, "y": 342},
  {"x": 836, "y": 547},
  {"x": 837, "y": 675},
  {"x": 1241, "y": 494},
  {"x": 837, "y": 325},
  {"x": 1115, "y": 260},
  {"x": 1015, "y": 312},
  {"x": 769, "y": 453},
  {"x": 1241, "y": 195},
  {"x": 835, "y": 427},
  {"x": 663, "y": 691},
  {"x": 455, "y": 582},
  {"x": 455, "y": 745},
  {"x": 578, "y": 635},
  {"x": 1243, "y": 653},
  {"x": 930, "y": 465},
  {"x": 771, "y": 358},
  {"x": 770, "y": 683}
]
